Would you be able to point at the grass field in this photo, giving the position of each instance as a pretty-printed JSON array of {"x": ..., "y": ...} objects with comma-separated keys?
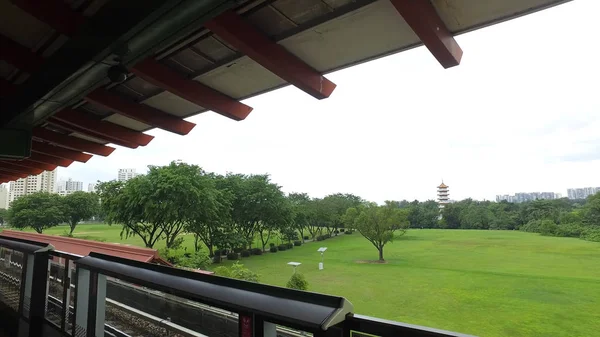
[{"x": 486, "y": 283}]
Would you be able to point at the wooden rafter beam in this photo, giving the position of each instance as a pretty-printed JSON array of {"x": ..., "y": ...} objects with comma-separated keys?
[
  {"x": 424, "y": 20},
  {"x": 140, "y": 112},
  {"x": 31, "y": 164},
  {"x": 46, "y": 159},
  {"x": 60, "y": 152},
  {"x": 195, "y": 92},
  {"x": 243, "y": 36},
  {"x": 80, "y": 130},
  {"x": 55, "y": 13},
  {"x": 70, "y": 142},
  {"x": 109, "y": 129},
  {"x": 10, "y": 167},
  {"x": 19, "y": 56}
]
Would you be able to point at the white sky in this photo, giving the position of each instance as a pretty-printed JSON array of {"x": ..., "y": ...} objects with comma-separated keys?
[{"x": 520, "y": 114}]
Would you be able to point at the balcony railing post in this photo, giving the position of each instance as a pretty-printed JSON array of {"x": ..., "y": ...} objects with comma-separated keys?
[
  {"x": 34, "y": 294},
  {"x": 90, "y": 305},
  {"x": 66, "y": 295}
]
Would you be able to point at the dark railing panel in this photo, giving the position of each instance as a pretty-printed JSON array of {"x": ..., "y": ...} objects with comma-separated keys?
[{"x": 365, "y": 326}]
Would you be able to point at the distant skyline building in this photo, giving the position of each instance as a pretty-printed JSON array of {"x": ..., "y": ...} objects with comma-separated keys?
[
  {"x": 126, "y": 174},
  {"x": 443, "y": 195},
  {"x": 525, "y": 197},
  {"x": 91, "y": 187},
  {"x": 44, "y": 182},
  {"x": 4, "y": 192},
  {"x": 582, "y": 193}
]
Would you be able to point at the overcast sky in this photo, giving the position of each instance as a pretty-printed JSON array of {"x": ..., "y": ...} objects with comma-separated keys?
[{"x": 520, "y": 114}]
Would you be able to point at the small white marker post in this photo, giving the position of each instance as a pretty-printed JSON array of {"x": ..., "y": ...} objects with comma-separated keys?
[
  {"x": 294, "y": 264},
  {"x": 322, "y": 251}
]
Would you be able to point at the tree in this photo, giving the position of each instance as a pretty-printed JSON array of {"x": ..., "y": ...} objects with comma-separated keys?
[
  {"x": 39, "y": 211},
  {"x": 256, "y": 201},
  {"x": 160, "y": 203},
  {"x": 591, "y": 210},
  {"x": 300, "y": 205},
  {"x": 3, "y": 216},
  {"x": 378, "y": 224},
  {"x": 207, "y": 222},
  {"x": 335, "y": 207},
  {"x": 79, "y": 206}
]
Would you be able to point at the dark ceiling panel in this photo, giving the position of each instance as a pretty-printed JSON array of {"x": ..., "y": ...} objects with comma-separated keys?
[
  {"x": 302, "y": 11},
  {"x": 270, "y": 21},
  {"x": 191, "y": 60},
  {"x": 337, "y": 3},
  {"x": 214, "y": 49},
  {"x": 98, "y": 112},
  {"x": 136, "y": 88}
]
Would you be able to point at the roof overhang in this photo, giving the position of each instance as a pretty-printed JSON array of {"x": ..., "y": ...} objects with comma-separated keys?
[{"x": 187, "y": 57}]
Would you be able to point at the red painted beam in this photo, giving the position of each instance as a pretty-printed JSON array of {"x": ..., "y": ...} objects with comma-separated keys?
[
  {"x": 20, "y": 174},
  {"x": 140, "y": 112},
  {"x": 424, "y": 20},
  {"x": 19, "y": 56},
  {"x": 60, "y": 152},
  {"x": 101, "y": 127},
  {"x": 6, "y": 88},
  {"x": 6, "y": 177},
  {"x": 74, "y": 143},
  {"x": 75, "y": 128},
  {"x": 46, "y": 159},
  {"x": 26, "y": 163},
  {"x": 193, "y": 91},
  {"x": 55, "y": 13},
  {"x": 4, "y": 166},
  {"x": 242, "y": 35}
]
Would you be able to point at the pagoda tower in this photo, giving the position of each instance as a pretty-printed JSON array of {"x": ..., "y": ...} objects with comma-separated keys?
[{"x": 443, "y": 195}]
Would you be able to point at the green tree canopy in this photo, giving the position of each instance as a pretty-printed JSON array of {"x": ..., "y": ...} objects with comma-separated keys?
[
  {"x": 39, "y": 211},
  {"x": 79, "y": 206},
  {"x": 378, "y": 224}
]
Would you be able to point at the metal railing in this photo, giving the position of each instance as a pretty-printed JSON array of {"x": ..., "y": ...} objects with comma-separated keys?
[{"x": 77, "y": 302}]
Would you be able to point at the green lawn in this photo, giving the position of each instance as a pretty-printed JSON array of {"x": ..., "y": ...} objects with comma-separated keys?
[{"x": 486, "y": 283}]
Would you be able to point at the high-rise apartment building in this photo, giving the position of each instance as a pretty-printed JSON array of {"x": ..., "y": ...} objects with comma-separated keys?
[
  {"x": 3, "y": 196},
  {"x": 70, "y": 186},
  {"x": 44, "y": 182},
  {"x": 91, "y": 187},
  {"x": 582, "y": 193},
  {"x": 126, "y": 174}
]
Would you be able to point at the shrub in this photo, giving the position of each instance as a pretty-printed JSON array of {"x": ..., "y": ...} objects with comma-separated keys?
[
  {"x": 222, "y": 251},
  {"x": 237, "y": 271},
  {"x": 289, "y": 245},
  {"x": 232, "y": 256},
  {"x": 571, "y": 230},
  {"x": 336, "y": 231},
  {"x": 237, "y": 250},
  {"x": 198, "y": 260},
  {"x": 297, "y": 243},
  {"x": 319, "y": 238},
  {"x": 245, "y": 253},
  {"x": 348, "y": 231},
  {"x": 342, "y": 230},
  {"x": 306, "y": 238},
  {"x": 273, "y": 249},
  {"x": 532, "y": 226},
  {"x": 217, "y": 258},
  {"x": 174, "y": 256},
  {"x": 548, "y": 228},
  {"x": 298, "y": 282},
  {"x": 282, "y": 247},
  {"x": 591, "y": 234},
  {"x": 271, "y": 244},
  {"x": 257, "y": 251}
]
